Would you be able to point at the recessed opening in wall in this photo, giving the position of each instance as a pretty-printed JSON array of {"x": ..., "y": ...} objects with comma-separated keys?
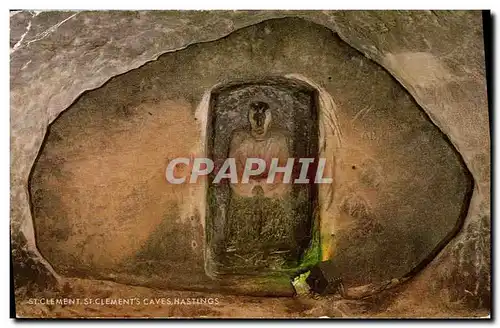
[
  {"x": 102, "y": 207},
  {"x": 258, "y": 227}
]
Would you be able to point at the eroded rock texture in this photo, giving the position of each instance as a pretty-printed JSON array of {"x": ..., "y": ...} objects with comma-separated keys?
[{"x": 437, "y": 56}]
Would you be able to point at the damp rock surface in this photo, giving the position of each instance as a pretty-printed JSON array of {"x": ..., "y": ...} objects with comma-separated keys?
[
  {"x": 100, "y": 197},
  {"x": 436, "y": 56}
]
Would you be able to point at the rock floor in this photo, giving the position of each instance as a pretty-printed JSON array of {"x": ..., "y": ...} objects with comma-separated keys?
[{"x": 152, "y": 303}]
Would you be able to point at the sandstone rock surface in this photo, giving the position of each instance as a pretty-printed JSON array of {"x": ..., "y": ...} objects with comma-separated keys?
[{"x": 437, "y": 56}]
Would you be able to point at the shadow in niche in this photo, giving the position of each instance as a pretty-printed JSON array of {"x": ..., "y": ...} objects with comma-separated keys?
[{"x": 250, "y": 233}]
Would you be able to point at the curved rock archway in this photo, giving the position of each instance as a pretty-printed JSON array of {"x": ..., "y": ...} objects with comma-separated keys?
[{"x": 476, "y": 161}]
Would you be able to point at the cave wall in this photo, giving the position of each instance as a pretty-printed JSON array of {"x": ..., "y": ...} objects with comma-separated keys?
[{"x": 444, "y": 75}]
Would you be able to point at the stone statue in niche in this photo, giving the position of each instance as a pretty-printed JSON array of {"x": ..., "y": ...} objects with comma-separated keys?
[
  {"x": 264, "y": 142},
  {"x": 259, "y": 210},
  {"x": 261, "y": 227}
]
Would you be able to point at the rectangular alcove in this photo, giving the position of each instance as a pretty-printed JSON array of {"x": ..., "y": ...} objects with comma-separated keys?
[{"x": 257, "y": 231}]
